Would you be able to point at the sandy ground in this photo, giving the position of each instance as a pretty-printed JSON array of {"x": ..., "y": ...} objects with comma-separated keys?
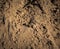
[{"x": 29, "y": 24}]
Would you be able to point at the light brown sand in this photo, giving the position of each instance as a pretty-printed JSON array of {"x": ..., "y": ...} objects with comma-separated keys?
[{"x": 33, "y": 24}]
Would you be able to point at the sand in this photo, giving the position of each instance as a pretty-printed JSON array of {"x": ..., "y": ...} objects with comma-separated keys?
[{"x": 29, "y": 24}]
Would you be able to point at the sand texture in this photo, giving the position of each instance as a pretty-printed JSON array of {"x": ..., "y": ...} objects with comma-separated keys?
[{"x": 29, "y": 24}]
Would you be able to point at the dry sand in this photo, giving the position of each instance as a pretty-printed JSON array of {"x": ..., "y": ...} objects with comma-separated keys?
[{"x": 29, "y": 24}]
